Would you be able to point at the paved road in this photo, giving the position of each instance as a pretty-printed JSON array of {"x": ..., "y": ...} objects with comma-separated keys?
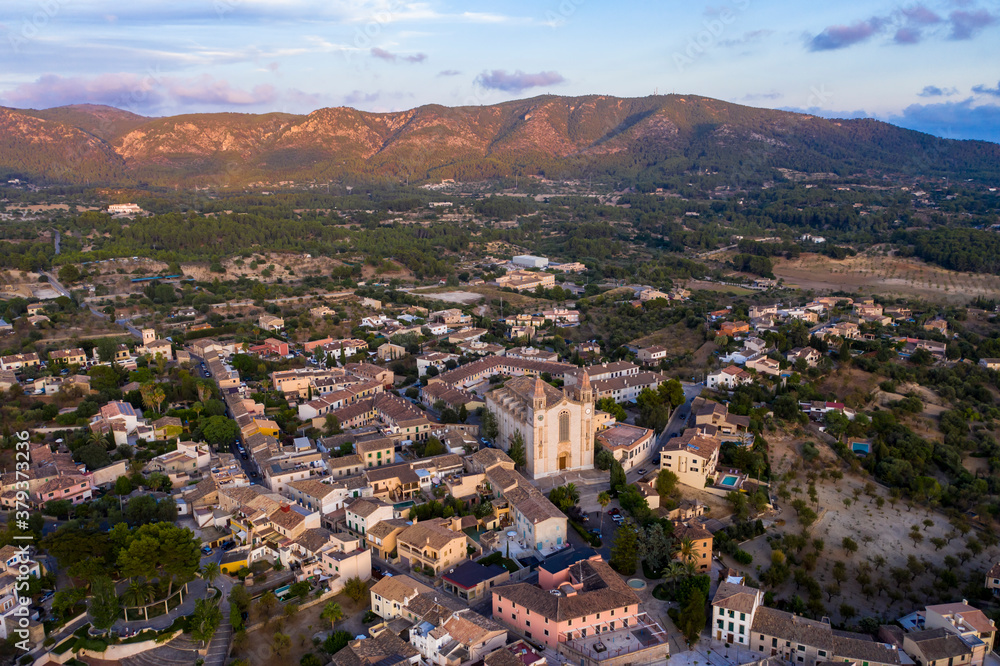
[{"x": 55, "y": 284}]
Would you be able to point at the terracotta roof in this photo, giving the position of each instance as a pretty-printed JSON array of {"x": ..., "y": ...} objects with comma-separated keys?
[
  {"x": 365, "y": 506},
  {"x": 431, "y": 533},
  {"x": 938, "y": 644},
  {"x": 385, "y": 649},
  {"x": 798, "y": 629},
  {"x": 735, "y": 597},
  {"x": 973, "y": 617},
  {"x": 313, "y": 488},
  {"x": 384, "y": 528},
  {"x": 398, "y": 588},
  {"x": 602, "y": 590}
]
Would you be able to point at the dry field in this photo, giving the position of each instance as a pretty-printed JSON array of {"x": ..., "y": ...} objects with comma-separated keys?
[
  {"x": 846, "y": 511},
  {"x": 460, "y": 297},
  {"x": 885, "y": 275}
]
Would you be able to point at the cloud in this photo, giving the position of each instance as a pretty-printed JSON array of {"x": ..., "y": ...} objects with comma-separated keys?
[
  {"x": 449, "y": 72},
  {"x": 499, "y": 79},
  {"x": 983, "y": 90},
  {"x": 842, "y": 36},
  {"x": 382, "y": 54},
  {"x": 907, "y": 36},
  {"x": 934, "y": 91},
  {"x": 357, "y": 97},
  {"x": 753, "y": 97},
  {"x": 952, "y": 120},
  {"x": 150, "y": 93},
  {"x": 920, "y": 15},
  {"x": 747, "y": 38},
  {"x": 965, "y": 25},
  {"x": 906, "y": 26}
]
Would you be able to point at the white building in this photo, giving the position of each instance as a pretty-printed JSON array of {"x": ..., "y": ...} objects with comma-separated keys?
[{"x": 530, "y": 261}]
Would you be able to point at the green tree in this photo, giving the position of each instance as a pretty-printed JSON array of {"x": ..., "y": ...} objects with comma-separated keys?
[
  {"x": 618, "y": 479},
  {"x": 69, "y": 274},
  {"x": 666, "y": 483},
  {"x": 625, "y": 550},
  {"x": 106, "y": 349},
  {"x": 280, "y": 643},
  {"x": 205, "y": 620},
  {"x": 104, "y": 604},
  {"x": 490, "y": 426},
  {"x": 332, "y": 613},
  {"x": 611, "y": 407},
  {"x": 604, "y": 499},
  {"x": 211, "y": 571},
  {"x": 356, "y": 589},
  {"x": 692, "y": 617},
  {"x": 220, "y": 431},
  {"x": 517, "y": 451}
]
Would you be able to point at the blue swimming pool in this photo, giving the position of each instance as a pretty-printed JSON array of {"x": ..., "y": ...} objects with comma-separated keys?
[
  {"x": 729, "y": 480},
  {"x": 861, "y": 447}
]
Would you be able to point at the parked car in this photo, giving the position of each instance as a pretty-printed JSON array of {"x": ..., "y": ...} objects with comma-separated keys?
[
  {"x": 206, "y": 550},
  {"x": 642, "y": 472}
]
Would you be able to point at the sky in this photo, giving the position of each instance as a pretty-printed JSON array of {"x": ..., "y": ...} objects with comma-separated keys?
[{"x": 932, "y": 66}]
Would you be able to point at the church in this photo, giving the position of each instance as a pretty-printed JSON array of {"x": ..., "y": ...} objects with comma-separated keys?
[{"x": 557, "y": 425}]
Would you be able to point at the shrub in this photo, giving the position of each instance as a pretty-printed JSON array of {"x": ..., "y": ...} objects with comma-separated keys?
[{"x": 743, "y": 557}]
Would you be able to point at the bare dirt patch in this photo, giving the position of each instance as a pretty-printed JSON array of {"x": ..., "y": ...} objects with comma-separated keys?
[
  {"x": 461, "y": 297},
  {"x": 874, "y": 272},
  {"x": 845, "y": 510}
]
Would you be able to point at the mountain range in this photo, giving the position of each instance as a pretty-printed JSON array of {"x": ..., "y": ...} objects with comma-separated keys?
[{"x": 651, "y": 139}]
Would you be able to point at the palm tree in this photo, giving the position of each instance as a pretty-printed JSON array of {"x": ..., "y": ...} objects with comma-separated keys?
[
  {"x": 572, "y": 494},
  {"x": 687, "y": 551},
  {"x": 97, "y": 438},
  {"x": 211, "y": 571},
  {"x": 332, "y": 613},
  {"x": 673, "y": 572},
  {"x": 604, "y": 499}
]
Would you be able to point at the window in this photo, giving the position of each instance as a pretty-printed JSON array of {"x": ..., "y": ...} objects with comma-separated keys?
[
  {"x": 730, "y": 613},
  {"x": 546, "y": 632},
  {"x": 720, "y": 624},
  {"x": 822, "y": 653},
  {"x": 730, "y": 626},
  {"x": 564, "y": 426},
  {"x": 801, "y": 648},
  {"x": 743, "y": 617},
  {"x": 527, "y": 623}
]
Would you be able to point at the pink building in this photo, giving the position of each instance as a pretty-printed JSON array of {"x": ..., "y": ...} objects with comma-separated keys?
[{"x": 583, "y": 599}]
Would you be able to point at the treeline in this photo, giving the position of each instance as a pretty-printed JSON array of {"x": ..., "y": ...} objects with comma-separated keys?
[{"x": 956, "y": 248}]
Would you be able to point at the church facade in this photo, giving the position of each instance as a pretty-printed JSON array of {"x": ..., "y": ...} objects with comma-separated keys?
[{"x": 557, "y": 425}]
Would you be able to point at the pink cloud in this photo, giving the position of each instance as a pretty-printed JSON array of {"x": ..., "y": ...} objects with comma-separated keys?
[
  {"x": 152, "y": 93},
  {"x": 382, "y": 54},
  {"x": 499, "y": 79}
]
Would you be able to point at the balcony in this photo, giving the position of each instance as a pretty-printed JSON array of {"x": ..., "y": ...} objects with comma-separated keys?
[{"x": 641, "y": 635}]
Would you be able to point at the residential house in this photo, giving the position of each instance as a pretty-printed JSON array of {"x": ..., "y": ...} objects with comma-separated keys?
[
  {"x": 765, "y": 366},
  {"x": 472, "y": 581},
  {"x": 630, "y": 445},
  {"x": 467, "y": 335},
  {"x": 376, "y": 452},
  {"x": 592, "y": 599},
  {"x": 939, "y": 325},
  {"x": 734, "y": 328},
  {"x": 384, "y": 649},
  {"x": 462, "y": 639},
  {"x": 728, "y": 378},
  {"x": 733, "y": 609},
  {"x": 693, "y": 457},
  {"x": 270, "y": 322},
  {"x": 390, "y": 595},
  {"x": 437, "y": 360},
  {"x": 74, "y": 356},
  {"x": 74, "y": 488},
  {"x": 963, "y": 620},
  {"x": 432, "y": 545},
  {"x": 363, "y": 513},
  {"x": 714, "y": 419},
  {"x": 700, "y": 541},
  {"x": 381, "y": 538},
  {"x": 626, "y": 388},
  {"x": 313, "y": 494},
  {"x": 990, "y": 363},
  {"x": 938, "y": 647},
  {"x": 807, "y": 354},
  {"x": 19, "y": 361},
  {"x": 652, "y": 355},
  {"x": 453, "y": 398},
  {"x": 799, "y": 640},
  {"x": 390, "y": 352}
]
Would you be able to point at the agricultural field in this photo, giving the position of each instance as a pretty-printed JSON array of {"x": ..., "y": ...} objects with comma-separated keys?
[{"x": 879, "y": 274}]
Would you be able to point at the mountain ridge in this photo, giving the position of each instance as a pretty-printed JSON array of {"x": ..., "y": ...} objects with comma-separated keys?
[{"x": 655, "y": 137}]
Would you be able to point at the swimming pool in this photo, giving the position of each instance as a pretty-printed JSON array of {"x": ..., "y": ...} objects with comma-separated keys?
[
  {"x": 729, "y": 480},
  {"x": 861, "y": 447}
]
